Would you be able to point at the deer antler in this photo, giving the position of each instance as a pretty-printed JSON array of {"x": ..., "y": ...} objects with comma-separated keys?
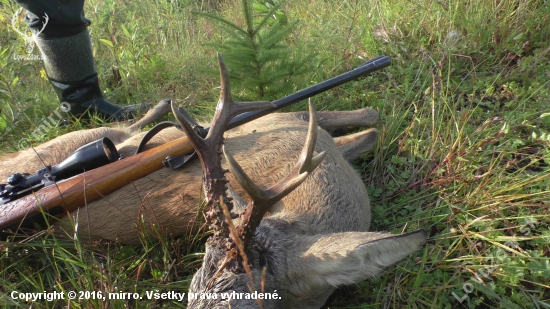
[
  {"x": 263, "y": 199},
  {"x": 209, "y": 150}
]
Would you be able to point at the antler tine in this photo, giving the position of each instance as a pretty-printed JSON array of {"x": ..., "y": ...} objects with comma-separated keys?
[
  {"x": 306, "y": 163},
  {"x": 263, "y": 199},
  {"x": 197, "y": 141},
  {"x": 209, "y": 150},
  {"x": 227, "y": 108},
  {"x": 225, "y": 87}
]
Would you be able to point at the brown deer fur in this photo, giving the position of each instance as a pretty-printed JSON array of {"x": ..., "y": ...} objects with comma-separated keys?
[
  {"x": 168, "y": 200},
  {"x": 307, "y": 244}
]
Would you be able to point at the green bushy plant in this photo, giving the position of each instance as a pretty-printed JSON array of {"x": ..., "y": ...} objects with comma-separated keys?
[{"x": 263, "y": 63}]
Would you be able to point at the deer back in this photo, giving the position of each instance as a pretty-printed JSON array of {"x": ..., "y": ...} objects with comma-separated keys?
[
  {"x": 332, "y": 199},
  {"x": 168, "y": 200}
]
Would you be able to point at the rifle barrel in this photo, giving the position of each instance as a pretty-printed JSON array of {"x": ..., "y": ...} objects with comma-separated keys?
[{"x": 368, "y": 67}]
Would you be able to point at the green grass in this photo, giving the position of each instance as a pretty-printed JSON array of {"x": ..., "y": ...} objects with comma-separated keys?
[{"x": 463, "y": 149}]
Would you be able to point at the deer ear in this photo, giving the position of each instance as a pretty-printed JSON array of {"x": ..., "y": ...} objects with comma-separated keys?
[{"x": 351, "y": 257}]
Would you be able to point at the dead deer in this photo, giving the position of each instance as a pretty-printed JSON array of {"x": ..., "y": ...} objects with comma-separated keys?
[
  {"x": 300, "y": 248},
  {"x": 300, "y": 238}
]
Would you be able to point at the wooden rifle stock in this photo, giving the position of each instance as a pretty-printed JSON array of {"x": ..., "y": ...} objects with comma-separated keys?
[{"x": 68, "y": 195}]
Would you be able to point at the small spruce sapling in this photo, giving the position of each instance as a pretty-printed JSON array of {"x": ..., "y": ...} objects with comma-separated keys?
[{"x": 263, "y": 64}]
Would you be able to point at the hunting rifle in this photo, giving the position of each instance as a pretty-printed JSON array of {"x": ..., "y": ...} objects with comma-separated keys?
[{"x": 47, "y": 194}]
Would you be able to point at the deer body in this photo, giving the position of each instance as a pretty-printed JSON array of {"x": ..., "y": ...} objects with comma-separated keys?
[
  {"x": 297, "y": 240},
  {"x": 169, "y": 200},
  {"x": 332, "y": 199}
]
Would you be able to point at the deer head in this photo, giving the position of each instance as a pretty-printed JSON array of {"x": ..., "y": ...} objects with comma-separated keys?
[{"x": 275, "y": 255}]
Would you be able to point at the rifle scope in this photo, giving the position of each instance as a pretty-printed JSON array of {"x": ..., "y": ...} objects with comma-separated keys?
[{"x": 85, "y": 158}]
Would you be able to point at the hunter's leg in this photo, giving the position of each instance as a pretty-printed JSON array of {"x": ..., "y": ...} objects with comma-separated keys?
[{"x": 61, "y": 34}]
